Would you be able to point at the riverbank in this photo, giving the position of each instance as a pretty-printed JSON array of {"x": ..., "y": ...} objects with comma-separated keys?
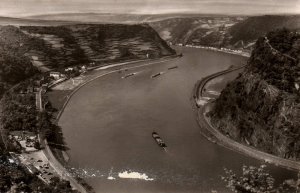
[
  {"x": 224, "y": 50},
  {"x": 52, "y": 160},
  {"x": 97, "y": 75},
  {"x": 203, "y": 106}
]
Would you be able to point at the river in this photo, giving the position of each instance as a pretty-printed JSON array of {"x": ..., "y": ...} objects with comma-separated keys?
[{"x": 108, "y": 123}]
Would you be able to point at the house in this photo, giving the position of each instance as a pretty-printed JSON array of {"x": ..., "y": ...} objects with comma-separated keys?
[
  {"x": 55, "y": 75},
  {"x": 69, "y": 69},
  {"x": 45, "y": 86},
  {"x": 20, "y": 134}
]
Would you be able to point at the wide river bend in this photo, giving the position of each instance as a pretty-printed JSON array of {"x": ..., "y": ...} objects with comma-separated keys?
[{"x": 108, "y": 123}]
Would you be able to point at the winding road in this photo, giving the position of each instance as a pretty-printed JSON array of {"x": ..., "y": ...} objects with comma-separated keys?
[
  {"x": 55, "y": 164},
  {"x": 277, "y": 51}
]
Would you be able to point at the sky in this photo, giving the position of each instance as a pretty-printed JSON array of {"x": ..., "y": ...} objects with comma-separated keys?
[{"x": 19, "y": 8}]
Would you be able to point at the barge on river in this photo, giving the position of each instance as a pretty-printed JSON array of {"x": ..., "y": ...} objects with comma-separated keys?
[
  {"x": 128, "y": 75},
  {"x": 156, "y": 75},
  {"x": 158, "y": 140},
  {"x": 173, "y": 67}
]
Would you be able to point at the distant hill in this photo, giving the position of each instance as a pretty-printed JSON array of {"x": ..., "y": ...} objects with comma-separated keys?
[
  {"x": 197, "y": 29},
  {"x": 261, "y": 107},
  {"x": 99, "y": 43},
  {"x": 33, "y": 22},
  {"x": 234, "y": 32},
  {"x": 93, "y": 17},
  {"x": 222, "y": 31},
  {"x": 254, "y": 27},
  {"x": 201, "y": 30},
  {"x": 109, "y": 17},
  {"x": 26, "y": 49}
]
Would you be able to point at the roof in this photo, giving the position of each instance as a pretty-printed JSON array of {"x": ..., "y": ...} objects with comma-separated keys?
[{"x": 55, "y": 73}]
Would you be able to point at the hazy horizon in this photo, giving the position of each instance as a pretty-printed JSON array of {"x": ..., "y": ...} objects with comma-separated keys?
[{"x": 22, "y": 8}]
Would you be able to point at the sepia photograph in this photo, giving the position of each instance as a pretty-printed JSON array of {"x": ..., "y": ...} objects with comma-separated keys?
[{"x": 149, "y": 96}]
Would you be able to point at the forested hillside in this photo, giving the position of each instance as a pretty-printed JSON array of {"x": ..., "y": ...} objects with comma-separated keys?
[
  {"x": 262, "y": 106},
  {"x": 26, "y": 50},
  {"x": 256, "y": 26},
  {"x": 232, "y": 32},
  {"x": 205, "y": 31}
]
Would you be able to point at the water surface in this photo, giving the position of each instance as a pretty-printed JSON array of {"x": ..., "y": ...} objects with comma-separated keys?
[{"x": 108, "y": 124}]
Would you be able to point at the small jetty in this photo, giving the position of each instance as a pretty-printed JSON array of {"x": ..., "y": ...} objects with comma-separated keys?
[
  {"x": 156, "y": 75},
  {"x": 158, "y": 140},
  {"x": 172, "y": 67}
]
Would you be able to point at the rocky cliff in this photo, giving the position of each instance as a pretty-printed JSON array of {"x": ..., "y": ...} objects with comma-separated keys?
[{"x": 261, "y": 107}]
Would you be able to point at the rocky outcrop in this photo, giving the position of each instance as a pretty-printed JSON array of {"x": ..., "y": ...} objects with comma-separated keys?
[{"x": 261, "y": 107}]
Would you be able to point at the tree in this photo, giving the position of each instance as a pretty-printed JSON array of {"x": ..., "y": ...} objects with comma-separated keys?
[
  {"x": 37, "y": 145},
  {"x": 254, "y": 180}
]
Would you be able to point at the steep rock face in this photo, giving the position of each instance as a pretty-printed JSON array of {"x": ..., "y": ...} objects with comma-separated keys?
[{"x": 262, "y": 106}]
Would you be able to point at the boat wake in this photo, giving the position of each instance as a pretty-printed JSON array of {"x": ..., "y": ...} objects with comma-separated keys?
[{"x": 134, "y": 175}]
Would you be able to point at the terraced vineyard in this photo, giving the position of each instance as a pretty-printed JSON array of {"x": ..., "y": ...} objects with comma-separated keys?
[
  {"x": 95, "y": 44},
  {"x": 26, "y": 49}
]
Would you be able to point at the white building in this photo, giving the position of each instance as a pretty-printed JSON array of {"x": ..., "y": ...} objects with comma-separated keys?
[
  {"x": 55, "y": 75},
  {"x": 69, "y": 69}
]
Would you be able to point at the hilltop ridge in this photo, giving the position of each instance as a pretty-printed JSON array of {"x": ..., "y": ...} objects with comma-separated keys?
[
  {"x": 261, "y": 107},
  {"x": 233, "y": 32},
  {"x": 25, "y": 50}
]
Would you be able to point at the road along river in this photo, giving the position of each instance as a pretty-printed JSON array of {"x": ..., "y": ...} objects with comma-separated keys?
[{"x": 108, "y": 123}]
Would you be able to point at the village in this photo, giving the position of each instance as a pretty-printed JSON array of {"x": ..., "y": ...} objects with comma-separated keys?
[{"x": 29, "y": 144}]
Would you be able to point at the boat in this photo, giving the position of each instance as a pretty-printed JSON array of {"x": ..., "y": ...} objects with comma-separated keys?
[
  {"x": 156, "y": 75},
  {"x": 128, "y": 75},
  {"x": 158, "y": 140},
  {"x": 172, "y": 67}
]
